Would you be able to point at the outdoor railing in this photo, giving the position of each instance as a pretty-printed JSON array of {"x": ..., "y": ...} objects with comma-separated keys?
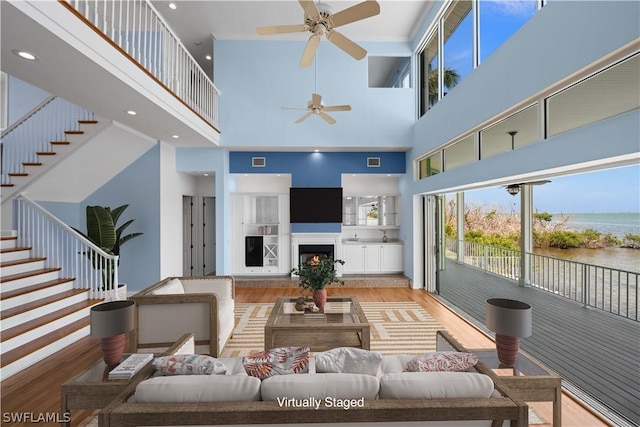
[
  {"x": 34, "y": 131},
  {"x": 65, "y": 248},
  {"x": 492, "y": 259},
  {"x": 609, "y": 289},
  {"x": 140, "y": 31}
]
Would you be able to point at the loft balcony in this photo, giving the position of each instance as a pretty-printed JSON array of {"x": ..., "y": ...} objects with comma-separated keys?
[{"x": 111, "y": 57}]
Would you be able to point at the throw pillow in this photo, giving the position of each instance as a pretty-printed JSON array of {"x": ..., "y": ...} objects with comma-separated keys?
[
  {"x": 349, "y": 360},
  {"x": 442, "y": 361},
  {"x": 277, "y": 361},
  {"x": 189, "y": 364}
]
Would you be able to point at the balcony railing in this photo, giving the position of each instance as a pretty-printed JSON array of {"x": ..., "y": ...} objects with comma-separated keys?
[
  {"x": 605, "y": 288},
  {"x": 137, "y": 28}
]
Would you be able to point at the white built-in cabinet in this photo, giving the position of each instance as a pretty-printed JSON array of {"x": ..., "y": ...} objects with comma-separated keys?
[
  {"x": 372, "y": 258},
  {"x": 260, "y": 234},
  {"x": 370, "y": 211}
]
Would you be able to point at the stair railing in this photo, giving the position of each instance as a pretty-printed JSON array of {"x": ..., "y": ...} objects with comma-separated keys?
[
  {"x": 63, "y": 247},
  {"x": 34, "y": 131},
  {"x": 139, "y": 30}
]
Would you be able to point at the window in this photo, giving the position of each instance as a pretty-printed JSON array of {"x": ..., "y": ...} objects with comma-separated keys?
[
  {"x": 460, "y": 153},
  {"x": 499, "y": 20},
  {"x": 513, "y": 132},
  {"x": 429, "y": 166},
  {"x": 606, "y": 94},
  {"x": 458, "y": 44},
  {"x": 390, "y": 71},
  {"x": 429, "y": 89}
]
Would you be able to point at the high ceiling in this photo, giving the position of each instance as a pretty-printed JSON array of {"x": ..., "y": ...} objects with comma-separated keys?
[{"x": 195, "y": 22}]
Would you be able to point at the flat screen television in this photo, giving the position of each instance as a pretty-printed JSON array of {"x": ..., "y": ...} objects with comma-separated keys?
[{"x": 319, "y": 204}]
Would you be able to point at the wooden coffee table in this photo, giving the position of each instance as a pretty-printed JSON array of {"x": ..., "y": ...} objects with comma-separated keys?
[{"x": 343, "y": 324}]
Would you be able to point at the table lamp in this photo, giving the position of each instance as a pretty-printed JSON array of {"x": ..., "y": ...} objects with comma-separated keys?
[
  {"x": 111, "y": 321},
  {"x": 510, "y": 320}
]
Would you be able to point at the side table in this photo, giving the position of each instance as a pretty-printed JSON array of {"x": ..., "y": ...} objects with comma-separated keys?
[
  {"x": 92, "y": 389},
  {"x": 529, "y": 379}
]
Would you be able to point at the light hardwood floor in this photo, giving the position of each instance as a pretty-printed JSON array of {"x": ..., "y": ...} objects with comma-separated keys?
[{"x": 37, "y": 389}]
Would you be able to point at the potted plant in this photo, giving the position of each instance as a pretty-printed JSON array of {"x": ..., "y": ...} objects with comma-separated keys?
[
  {"x": 315, "y": 274},
  {"x": 103, "y": 231}
]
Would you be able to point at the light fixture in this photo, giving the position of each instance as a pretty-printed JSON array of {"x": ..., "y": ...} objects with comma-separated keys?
[
  {"x": 208, "y": 57},
  {"x": 175, "y": 136},
  {"x": 316, "y": 151},
  {"x": 25, "y": 55},
  {"x": 513, "y": 138},
  {"x": 513, "y": 189},
  {"x": 112, "y": 321},
  {"x": 510, "y": 320},
  {"x": 172, "y": 6},
  {"x": 205, "y": 174},
  {"x": 131, "y": 112}
]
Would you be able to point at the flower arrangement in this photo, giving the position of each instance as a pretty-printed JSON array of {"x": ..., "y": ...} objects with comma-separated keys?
[{"x": 317, "y": 272}]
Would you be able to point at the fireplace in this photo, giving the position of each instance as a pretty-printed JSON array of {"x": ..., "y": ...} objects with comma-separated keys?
[{"x": 306, "y": 252}]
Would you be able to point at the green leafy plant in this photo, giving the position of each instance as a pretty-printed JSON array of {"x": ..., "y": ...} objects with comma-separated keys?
[
  {"x": 102, "y": 232},
  {"x": 318, "y": 273}
]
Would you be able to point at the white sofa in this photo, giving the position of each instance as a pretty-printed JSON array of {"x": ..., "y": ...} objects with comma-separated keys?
[
  {"x": 174, "y": 306},
  {"x": 391, "y": 397}
]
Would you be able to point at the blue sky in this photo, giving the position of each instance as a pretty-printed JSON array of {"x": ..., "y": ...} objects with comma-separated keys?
[{"x": 611, "y": 190}]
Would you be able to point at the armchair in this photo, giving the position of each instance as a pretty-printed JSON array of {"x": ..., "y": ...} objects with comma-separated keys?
[{"x": 174, "y": 306}]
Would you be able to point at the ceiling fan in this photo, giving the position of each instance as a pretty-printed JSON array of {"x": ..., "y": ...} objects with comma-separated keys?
[
  {"x": 319, "y": 20},
  {"x": 315, "y": 106},
  {"x": 514, "y": 189}
]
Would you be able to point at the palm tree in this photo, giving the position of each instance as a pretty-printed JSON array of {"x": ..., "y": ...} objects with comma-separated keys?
[{"x": 451, "y": 78}]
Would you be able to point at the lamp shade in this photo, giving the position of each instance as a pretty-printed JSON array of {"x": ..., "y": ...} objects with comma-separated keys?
[
  {"x": 112, "y": 318},
  {"x": 508, "y": 317}
]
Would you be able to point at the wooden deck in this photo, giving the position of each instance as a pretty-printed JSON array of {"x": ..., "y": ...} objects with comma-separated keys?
[{"x": 595, "y": 352}]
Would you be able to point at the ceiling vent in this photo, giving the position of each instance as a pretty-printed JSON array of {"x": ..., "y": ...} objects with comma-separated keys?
[
  {"x": 258, "y": 162},
  {"x": 373, "y": 162}
]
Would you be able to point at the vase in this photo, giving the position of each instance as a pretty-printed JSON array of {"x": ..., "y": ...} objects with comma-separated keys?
[{"x": 320, "y": 298}]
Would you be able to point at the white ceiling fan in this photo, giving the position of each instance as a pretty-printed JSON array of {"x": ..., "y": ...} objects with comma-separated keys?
[
  {"x": 315, "y": 106},
  {"x": 319, "y": 20}
]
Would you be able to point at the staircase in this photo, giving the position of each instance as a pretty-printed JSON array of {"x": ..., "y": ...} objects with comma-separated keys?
[
  {"x": 41, "y": 312},
  {"x": 40, "y": 160}
]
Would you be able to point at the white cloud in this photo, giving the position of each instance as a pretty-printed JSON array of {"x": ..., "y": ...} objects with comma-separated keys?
[{"x": 510, "y": 7}]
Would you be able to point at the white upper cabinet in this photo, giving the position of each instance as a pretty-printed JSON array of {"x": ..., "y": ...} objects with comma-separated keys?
[{"x": 373, "y": 211}]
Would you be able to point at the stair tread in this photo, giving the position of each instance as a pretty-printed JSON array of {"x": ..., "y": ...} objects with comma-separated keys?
[
  {"x": 88, "y": 122},
  {"x": 46, "y": 153},
  {"x": 6, "y": 185},
  {"x": 74, "y": 132},
  {"x": 14, "y": 311},
  {"x": 18, "y": 276},
  {"x": 20, "y": 261},
  {"x": 36, "y": 287},
  {"x": 18, "y": 174},
  {"x": 31, "y": 164},
  {"x": 59, "y": 142},
  {"x": 18, "y": 249},
  {"x": 35, "y": 345},
  {"x": 8, "y": 238},
  {"x": 47, "y": 318}
]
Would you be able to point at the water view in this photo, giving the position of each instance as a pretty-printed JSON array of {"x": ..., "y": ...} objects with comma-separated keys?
[{"x": 617, "y": 223}]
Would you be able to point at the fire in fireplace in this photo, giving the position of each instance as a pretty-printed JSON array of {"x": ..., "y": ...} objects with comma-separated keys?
[{"x": 307, "y": 252}]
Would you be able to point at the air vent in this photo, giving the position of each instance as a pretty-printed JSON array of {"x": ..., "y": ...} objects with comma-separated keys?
[
  {"x": 258, "y": 162},
  {"x": 373, "y": 162}
]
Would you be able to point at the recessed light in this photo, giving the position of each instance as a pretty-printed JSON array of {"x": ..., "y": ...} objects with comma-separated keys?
[
  {"x": 172, "y": 6},
  {"x": 316, "y": 151},
  {"x": 205, "y": 174},
  {"x": 208, "y": 57},
  {"x": 131, "y": 112},
  {"x": 26, "y": 55},
  {"x": 175, "y": 136}
]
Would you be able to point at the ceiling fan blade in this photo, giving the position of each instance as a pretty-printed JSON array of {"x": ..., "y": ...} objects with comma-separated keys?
[
  {"x": 310, "y": 8},
  {"x": 294, "y": 108},
  {"x": 310, "y": 51},
  {"x": 316, "y": 100},
  {"x": 346, "y": 44},
  {"x": 338, "y": 108},
  {"x": 305, "y": 117},
  {"x": 541, "y": 182},
  {"x": 281, "y": 29},
  {"x": 327, "y": 118},
  {"x": 360, "y": 11}
]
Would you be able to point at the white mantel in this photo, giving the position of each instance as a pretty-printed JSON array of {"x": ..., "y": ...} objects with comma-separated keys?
[{"x": 334, "y": 239}]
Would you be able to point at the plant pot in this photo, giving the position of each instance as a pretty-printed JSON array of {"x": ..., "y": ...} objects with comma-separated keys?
[
  {"x": 320, "y": 298},
  {"x": 122, "y": 291}
]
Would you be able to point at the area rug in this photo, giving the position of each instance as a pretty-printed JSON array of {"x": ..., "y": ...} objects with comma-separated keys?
[{"x": 396, "y": 328}]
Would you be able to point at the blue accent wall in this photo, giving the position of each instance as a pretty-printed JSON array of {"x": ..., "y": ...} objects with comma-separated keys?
[{"x": 323, "y": 169}]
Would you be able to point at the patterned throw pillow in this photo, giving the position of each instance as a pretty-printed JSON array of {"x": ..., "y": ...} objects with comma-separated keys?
[
  {"x": 277, "y": 361},
  {"x": 189, "y": 364},
  {"x": 442, "y": 361}
]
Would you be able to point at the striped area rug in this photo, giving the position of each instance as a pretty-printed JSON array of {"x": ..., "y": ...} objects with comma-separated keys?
[{"x": 396, "y": 328}]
